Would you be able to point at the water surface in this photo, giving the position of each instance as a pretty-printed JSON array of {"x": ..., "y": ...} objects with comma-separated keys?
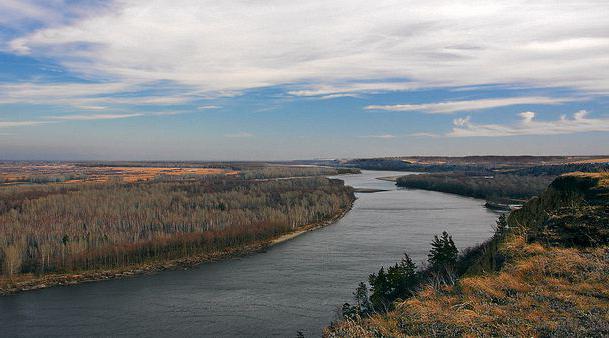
[{"x": 296, "y": 285}]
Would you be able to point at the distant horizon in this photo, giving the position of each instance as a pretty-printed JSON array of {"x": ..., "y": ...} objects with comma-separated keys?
[{"x": 296, "y": 159}]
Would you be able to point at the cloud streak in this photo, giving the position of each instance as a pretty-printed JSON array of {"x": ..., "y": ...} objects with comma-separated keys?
[
  {"x": 9, "y": 124},
  {"x": 352, "y": 89},
  {"x": 86, "y": 117},
  {"x": 93, "y": 117},
  {"x": 450, "y": 107},
  {"x": 95, "y": 96},
  {"x": 209, "y": 107},
  {"x": 225, "y": 46},
  {"x": 529, "y": 125},
  {"x": 383, "y": 136}
]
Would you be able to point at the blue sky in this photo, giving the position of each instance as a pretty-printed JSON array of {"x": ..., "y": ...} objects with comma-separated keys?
[{"x": 209, "y": 80}]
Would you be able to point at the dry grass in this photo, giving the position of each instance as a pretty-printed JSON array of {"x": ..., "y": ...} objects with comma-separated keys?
[
  {"x": 67, "y": 173},
  {"x": 134, "y": 174},
  {"x": 540, "y": 291},
  {"x": 593, "y": 160},
  {"x": 603, "y": 177}
]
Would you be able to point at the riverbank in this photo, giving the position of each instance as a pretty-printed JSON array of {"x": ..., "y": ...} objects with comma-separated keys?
[
  {"x": 29, "y": 282},
  {"x": 368, "y": 190},
  {"x": 545, "y": 273},
  {"x": 389, "y": 178}
]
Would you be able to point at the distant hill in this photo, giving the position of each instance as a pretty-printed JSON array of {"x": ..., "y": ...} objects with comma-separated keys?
[{"x": 519, "y": 165}]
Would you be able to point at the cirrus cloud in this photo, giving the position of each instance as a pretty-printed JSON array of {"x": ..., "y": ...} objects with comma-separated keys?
[
  {"x": 450, "y": 107},
  {"x": 93, "y": 117},
  {"x": 9, "y": 124},
  {"x": 236, "y": 45}
]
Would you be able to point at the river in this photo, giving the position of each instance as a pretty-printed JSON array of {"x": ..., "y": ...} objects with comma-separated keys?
[{"x": 295, "y": 285}]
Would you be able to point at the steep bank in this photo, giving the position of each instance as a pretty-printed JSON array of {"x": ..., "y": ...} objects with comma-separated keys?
[{"x": 546, "y": 275}]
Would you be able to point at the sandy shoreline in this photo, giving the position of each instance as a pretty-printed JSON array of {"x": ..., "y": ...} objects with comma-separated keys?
[
  {"x": 31, "y": 282},
  {"x": 389, "y": 178}
]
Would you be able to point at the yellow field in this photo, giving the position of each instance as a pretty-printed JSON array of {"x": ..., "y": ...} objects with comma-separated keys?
[
  {"x": 62, "y": 173},
  {"x": 594, "y": 160},
  {"x": 134, "y": 174}
]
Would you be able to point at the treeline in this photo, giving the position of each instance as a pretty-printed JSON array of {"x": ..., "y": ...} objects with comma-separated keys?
[
  {"x": 484, "y": 165},
  {"x": 89, "y": 226},
  {"x": 499, "y": 187},
  {"x": 41, "y": 179},
  {"x": 399, "y": 165},
  {"x": 293, "y": 171},
  {"x": 404, "y": 279},
  {"x": 559, "y": 169}
]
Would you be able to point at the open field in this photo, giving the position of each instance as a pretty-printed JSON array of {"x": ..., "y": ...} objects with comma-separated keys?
[
  {"x": 26, "y": 172},
  {"x": 593, "y": 160}
]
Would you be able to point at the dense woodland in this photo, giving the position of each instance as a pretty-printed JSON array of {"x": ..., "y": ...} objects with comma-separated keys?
[
  {"x": 75, "y": 227},
  {"x": 500, "y": 187},
  {"x": 560, "y": 169}
]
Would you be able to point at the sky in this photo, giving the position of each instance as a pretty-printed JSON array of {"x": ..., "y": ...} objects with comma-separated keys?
[{"x": 279, "y": 80}]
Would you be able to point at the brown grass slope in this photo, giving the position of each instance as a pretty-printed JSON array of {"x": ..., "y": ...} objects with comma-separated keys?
[{"x": 553, "y": 280}]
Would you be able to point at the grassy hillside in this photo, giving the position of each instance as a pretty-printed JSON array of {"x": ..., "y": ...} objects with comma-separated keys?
[{"x": 547, "y": 275}]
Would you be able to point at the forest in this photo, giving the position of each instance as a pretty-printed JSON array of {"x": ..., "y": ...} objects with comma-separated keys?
[
  {"x": 499, "y": 187},
  {"x": 59, "y": 228}
]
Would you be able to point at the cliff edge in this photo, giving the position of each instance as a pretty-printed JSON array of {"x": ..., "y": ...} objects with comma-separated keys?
[{"x": 545, "y": 274}]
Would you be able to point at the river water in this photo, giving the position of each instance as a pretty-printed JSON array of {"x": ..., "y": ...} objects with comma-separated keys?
[{"x": 295, "y": 285}]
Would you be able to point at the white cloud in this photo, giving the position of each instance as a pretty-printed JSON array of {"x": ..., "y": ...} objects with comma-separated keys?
[
  {"x": 9, "y": 124},
  {"x": 235, "y": 45},
  {"x": 456, "y": 106},
  {"x": 528, "y": 125},
  {"x": 461, "y": 121},
  {"x": 85, "y": 117},
  {"x": 336, "y": 96},
  {"x": 346, "y": 89},
  {"x": 208, "y": 107},
  {"x": 20, "y": 92},
  {"x": 239, "y": 135},
  {"x": 90, "y": 96},
  {"x": 383, "y": 136},
  {"x": 94, "y": 117},
  {"x": 91, "y": 107}
]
